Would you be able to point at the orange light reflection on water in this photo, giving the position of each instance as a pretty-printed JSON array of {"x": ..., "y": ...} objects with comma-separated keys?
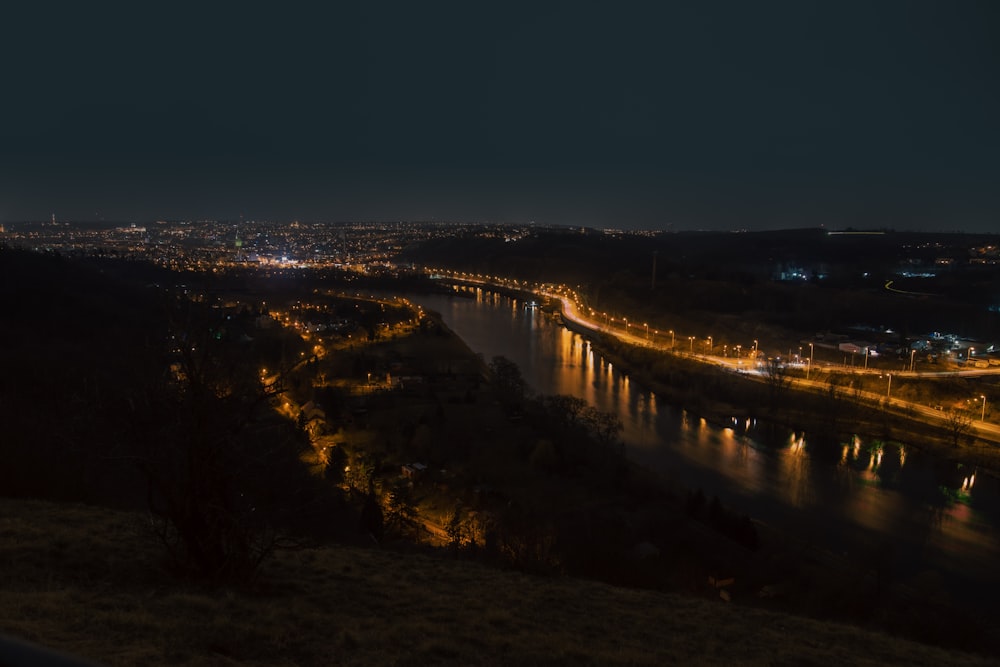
[
  {"x": 794, "y": 464},
  {"x": 863, "y": 488}
]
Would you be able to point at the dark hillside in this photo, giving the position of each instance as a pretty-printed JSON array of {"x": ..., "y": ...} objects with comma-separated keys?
[
  {"x": 73, "y": 579},
  {"x": 72, "y": 338},
  {"x": 176, "y": 400}
]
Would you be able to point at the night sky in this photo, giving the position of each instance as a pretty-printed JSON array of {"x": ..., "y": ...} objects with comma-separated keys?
[{"x": 694, "y": 115}]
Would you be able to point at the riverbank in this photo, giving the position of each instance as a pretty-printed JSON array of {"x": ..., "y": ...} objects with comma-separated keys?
[
  {"x": 799, "y": 411},
  {"x": 809, "y": 489}
]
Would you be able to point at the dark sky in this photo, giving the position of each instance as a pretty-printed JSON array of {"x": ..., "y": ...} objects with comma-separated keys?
[{"x": 711, "y": 115}]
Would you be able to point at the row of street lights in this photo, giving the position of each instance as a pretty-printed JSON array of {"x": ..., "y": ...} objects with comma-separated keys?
[
  {"x": 673, "y": 335},
  {"x": 982, "y": 397},
  {"x": 739, "y": 348}
]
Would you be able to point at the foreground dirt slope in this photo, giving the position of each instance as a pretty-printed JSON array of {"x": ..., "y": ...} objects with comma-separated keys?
[{"x": 83, "y": 580}]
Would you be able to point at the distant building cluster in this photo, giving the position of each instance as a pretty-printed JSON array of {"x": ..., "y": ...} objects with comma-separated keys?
[{"x": 209, "y": 244}]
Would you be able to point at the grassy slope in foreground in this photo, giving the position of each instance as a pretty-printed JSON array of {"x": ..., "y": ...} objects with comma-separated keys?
[{"x": 77, "y": 579}]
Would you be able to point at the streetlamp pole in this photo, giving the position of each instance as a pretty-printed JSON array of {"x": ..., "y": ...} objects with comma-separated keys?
[
  {"x": 710, "y": 345},
  {"x": 912, "y": 352},
  {"x": 866, "y": 357},
  {"x": 691, "y": 340},
  {"x": 671, "y": 339},
  {"x": 810, "y": 354},
  {"x": 888, "y": 390},
  {"x": 646, "y": 324},
  {"x": 983, "y": 417}
]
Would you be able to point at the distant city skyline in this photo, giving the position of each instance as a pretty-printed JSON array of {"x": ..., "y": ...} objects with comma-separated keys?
[{"x": 718, "y": 115}]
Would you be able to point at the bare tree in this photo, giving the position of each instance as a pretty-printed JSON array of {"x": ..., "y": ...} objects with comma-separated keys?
[
  {"x": 563, "y": 409},
  {"x": 399, "y": 511},
  {"x": 958, "y": 424},
  {"x": 776, "y": 376},
  {"x": 220, "y": 467},
  {"x": 457, "y": 530},
  {"x": 508, "y": 381},
  {"x": 605, "y": 426}
]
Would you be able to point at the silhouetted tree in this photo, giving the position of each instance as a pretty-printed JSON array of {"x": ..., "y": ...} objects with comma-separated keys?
[
  {"x": 958, "y": 424},
  {"x": 605, "y": 426},
  {"x": 507, "y": 381},
  {"x": 694, "y": 505},
  {"x": 564, "y": 410},
  {"x": 776, "y": 376},
  {"x": 372, "y": 519},
  {"x": 525, "y": 540},
  {"x": 222, "y": 470},
  {"x": 399, "y": 512},
  {"x": 456, "y": 529},
  {"x": 544, "y": 456}
]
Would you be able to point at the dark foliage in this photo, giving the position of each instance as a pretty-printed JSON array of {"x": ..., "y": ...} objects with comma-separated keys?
[
  {"x": 223, "y": 471},
  {"x": 116, "y": 391},
  {"x": 74, "y": 338}
]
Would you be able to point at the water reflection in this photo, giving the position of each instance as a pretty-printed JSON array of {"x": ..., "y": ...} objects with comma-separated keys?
[
  {"x": 842, "y": 494},
  {"x": 795, "y": 468}
]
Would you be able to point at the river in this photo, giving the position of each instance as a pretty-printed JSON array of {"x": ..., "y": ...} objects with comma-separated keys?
[{"x": 854, "y": 499}]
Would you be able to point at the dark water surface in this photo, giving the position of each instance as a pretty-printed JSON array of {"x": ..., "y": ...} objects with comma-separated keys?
[{"x": 856, "y": 499}]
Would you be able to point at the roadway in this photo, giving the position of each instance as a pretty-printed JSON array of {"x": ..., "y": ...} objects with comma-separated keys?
[
  {"x": 572, "y": 310},
  {"x": 982, "y": 429}
]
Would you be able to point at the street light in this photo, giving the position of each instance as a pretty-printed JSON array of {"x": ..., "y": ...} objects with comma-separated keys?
[
  {"x": 983, "y": 417},
  {"x": 646, "y": 324},
  {"x": 810, "y": 354},
  {"x": 691, "y": 340},
  {"x": 671, "y": 339},
  {"x": 912, "y": 352},
  {"x": 755, "y": 349},
  {"x": 888, "y": 390},
  {"x": 710, "y": 345},
  {"x": 866, "y": 357}
]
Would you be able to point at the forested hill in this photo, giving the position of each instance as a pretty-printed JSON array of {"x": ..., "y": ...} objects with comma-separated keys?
[
  {"x": 74, "y": 338},
  {"x": 782, "y": 284}
]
